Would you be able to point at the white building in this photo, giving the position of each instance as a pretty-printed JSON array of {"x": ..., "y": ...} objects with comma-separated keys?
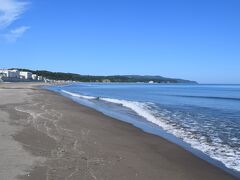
[
  {"x": 10, "y": 73},
  {"x": 3, "y": 73},
  {"x": 25, "y": 75},
  {"x": 34, "y": 77},
  {"x": 40, "y": 78},
  {"x": 15, "y": 73}
]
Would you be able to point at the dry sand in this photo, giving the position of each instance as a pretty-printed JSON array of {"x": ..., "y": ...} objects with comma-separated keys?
[{"x": 45, "y": 136}]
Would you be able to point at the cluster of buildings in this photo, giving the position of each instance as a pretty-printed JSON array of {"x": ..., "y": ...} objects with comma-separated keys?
[{"x": 16, "y": 75}]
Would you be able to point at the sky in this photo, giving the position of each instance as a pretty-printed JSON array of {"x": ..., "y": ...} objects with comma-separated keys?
[{"x": 195, "y": 40}]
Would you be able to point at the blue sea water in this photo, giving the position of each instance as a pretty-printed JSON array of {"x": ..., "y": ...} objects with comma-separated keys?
[{"x": 204, "y": 119}]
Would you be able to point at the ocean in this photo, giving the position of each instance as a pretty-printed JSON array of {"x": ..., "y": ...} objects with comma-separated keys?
[{"x": 203, "y": 119}]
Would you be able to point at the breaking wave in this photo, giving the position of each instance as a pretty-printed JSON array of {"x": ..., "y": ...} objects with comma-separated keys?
[{"x": 78, "y": 95}]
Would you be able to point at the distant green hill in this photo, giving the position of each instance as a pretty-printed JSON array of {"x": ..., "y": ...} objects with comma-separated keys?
[{"x": 115, "y": 78}]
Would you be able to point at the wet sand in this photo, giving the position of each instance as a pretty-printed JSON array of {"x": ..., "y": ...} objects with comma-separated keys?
[{"x": 54, "y": 138}]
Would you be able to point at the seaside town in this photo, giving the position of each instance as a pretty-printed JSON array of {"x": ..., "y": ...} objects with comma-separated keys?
[{"x": 14, "y": 75}]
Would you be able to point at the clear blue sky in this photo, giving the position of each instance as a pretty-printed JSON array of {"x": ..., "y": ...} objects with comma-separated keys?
[{"x": 192, "y": 39}]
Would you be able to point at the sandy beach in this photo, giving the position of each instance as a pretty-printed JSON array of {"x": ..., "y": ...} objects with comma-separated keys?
[{"x": 45, "y": 136}]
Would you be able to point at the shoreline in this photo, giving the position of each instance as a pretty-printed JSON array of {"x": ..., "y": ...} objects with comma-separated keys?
[
  {"x": 153, "y": 130},
  {"x": 81, "y": 142}
]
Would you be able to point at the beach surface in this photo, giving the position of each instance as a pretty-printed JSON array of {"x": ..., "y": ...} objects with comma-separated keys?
[{"x": 45, "y": 136}]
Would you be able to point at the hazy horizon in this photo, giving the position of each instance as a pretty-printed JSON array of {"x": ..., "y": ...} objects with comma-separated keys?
[{"x": 196, "y": 41}]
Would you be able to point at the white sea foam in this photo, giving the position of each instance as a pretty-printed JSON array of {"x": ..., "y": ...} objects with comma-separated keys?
[
  {"x": 138, "y": 107},
  {"x": 78, "y": 95},
  {"x": 216, "y": 149}
]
